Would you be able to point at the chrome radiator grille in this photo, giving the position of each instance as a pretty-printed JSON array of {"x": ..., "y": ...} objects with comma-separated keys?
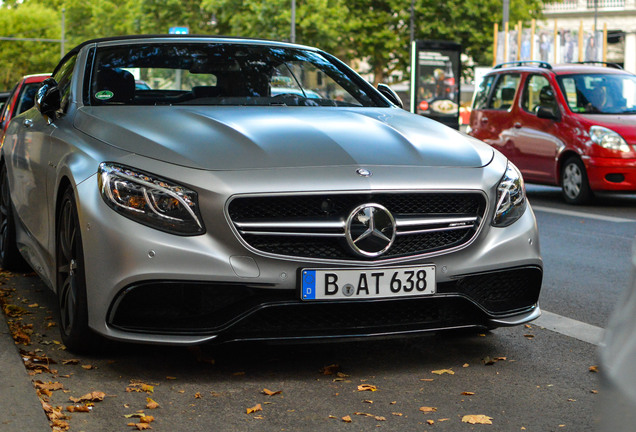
[{"x": 314, "y": 226}]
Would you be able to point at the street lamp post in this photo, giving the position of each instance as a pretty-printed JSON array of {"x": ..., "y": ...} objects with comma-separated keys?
[{"x": 292, "y": 37}]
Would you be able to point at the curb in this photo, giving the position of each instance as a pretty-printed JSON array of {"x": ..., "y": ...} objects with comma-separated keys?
[{"x": 20, "y": 408}]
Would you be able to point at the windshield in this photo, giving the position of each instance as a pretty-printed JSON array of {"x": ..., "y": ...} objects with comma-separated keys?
[
  {"x": 223, "y": 74},
  {"x": 600, "y": 93}
]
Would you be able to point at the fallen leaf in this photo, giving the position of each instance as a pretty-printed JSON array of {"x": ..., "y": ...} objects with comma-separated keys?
[
  {"x": 330, "y": 370},
  {"x": 95, "y": 396},
  {"x": 197, "y": 395},
  {"x": 398, "y": 414},
  {"x": 171, "y": 378},
  {"x": 443, "y": 371},
  {"x": 427, "y": 379},
  {"x": 34, "y": 305},
  {"x": 146, "y": 419},
  {"x": 70, "y": 362},
  {"x": 467, "y": 393},
  {"x": 50, "y": 386},
  {"x": 380, "y": 418},
  {"x": 426, "y": 409},
  {"x": 368, "y": 401},
  {"x": 78, "y": 408},
  {"x": 443, "y": 420},
  {"x": 593, "y": 369},
  {"x": 477, "y": 419},
  {"x": 271, "y": 393},
  {"x": 528, "y": 336},
  {"x": 60, "y": 425},
  {"x": 88, "y": 367},
  {"x": 465, "y": 365},
  {"x": 151, "y": 404},
  {"x": 254, "y": 409},
  {"x": 140, "y": 426},
  {"x": 367, "y": 387},
  {"x": 431, "y": 422},
  {"x": 346, "y": 419}
]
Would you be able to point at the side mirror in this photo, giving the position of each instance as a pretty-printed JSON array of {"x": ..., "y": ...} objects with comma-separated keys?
[
  {"x": 388, "y": 93},
  {"x": 48, "y": 100},
  {"x": 549, "y": 113}
]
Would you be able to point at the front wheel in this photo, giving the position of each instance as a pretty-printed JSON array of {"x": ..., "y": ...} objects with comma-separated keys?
[
  {"x": 574, "y": 182},
  {"x": 71, "y": 280}
]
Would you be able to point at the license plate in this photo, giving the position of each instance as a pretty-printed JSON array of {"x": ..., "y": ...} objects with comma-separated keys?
[{"x": 326, "y": 284}]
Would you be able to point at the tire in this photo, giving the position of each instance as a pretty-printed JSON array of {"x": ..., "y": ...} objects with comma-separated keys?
[
  {"x": 574, "y": 183},
  {"x": 10, "y": 257},
  {"x": 71, "y": 279}
]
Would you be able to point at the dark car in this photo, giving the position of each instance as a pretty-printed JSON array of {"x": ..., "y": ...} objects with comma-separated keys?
[
  {"x": 20, "y": 99},
  {"x": 571, "y": 125}
]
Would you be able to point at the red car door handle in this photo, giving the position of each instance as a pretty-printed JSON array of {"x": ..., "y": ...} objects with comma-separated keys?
[
  {"x": 28, "y": 123},
  {"x": 484, "y": 119},
  {"x": 518, "y": 125}
]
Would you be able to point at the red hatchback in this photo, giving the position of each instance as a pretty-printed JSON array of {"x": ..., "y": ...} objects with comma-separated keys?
[
  {"x": 20, "y": 99},
  {"x": 569, "y": 125}
]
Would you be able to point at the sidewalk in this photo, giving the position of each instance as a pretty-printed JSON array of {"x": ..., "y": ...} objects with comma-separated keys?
[{"x": 20, "y": 408}]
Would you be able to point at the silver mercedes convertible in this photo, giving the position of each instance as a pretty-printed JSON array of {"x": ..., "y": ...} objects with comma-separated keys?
[{"x": 255, "y": 190}]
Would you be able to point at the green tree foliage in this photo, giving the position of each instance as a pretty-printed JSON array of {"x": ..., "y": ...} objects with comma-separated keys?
[
  {"x": 372, "y": 35},
  {"x": 18, "y": 58}
]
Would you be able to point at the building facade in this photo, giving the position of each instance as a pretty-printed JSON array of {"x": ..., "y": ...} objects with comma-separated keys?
[{"x": 616, "y": 18}]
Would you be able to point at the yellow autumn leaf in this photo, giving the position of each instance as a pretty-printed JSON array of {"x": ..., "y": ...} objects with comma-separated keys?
[
  {"x": 254, "y": 409},
  {"x": 443, "y": 371},
  {"x": 477, "y": 419},
  {"x": 271, "y": 393},
  {"x": 426, "y": 409},
  {"x": 151, "y": 404},
  {"x": 346, "y": 419},
  {"x": 367, "y": 387}
]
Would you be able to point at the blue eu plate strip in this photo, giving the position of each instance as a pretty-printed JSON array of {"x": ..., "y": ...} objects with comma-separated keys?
[{"x": 309, "y": 284}]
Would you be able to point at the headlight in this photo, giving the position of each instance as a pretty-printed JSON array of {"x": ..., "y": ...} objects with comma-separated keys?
[
  {"x": 608, "y": 139},
  {"x": 150, "y": 200},
  {"x": 511, "y": 197}
]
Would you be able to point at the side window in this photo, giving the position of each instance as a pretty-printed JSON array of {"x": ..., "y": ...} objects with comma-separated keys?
[
  {"x": 64, "y": 77},
  {"x": 504, "y": 92},
  {"x": 537, "y": 92},
  {"x": 481, "y": 95}
]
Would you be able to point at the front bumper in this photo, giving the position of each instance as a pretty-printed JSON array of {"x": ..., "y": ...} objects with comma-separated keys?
[
  {"x": 239, "y": 312},
  {"x": 611, "y": 174},
  {"x": 148, "y": 286}
]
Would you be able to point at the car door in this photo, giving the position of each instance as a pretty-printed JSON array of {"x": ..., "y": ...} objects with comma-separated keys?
[
  {"x": 536, "y": 141},
  {"x": 493, "y": 116}
]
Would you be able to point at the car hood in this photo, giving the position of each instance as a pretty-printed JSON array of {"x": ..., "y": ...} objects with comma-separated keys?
[
  {"x": 233, "y": 138},
  {"x": 624, "y": 124}
]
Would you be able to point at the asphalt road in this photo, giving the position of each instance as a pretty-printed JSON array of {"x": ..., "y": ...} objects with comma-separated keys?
[{"x": 524, "y": 378}]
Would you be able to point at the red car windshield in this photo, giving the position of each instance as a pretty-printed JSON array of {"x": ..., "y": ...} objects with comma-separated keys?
[{"x": 600, "y": 93}]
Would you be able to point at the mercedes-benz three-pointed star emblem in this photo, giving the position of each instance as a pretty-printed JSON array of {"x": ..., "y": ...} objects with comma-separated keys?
[{"x": 370, "y": 230}]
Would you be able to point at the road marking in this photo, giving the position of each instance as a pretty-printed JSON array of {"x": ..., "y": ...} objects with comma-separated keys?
[
  {"x": 570, "y": 327},
  {"x": 582, "y": 214}
]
